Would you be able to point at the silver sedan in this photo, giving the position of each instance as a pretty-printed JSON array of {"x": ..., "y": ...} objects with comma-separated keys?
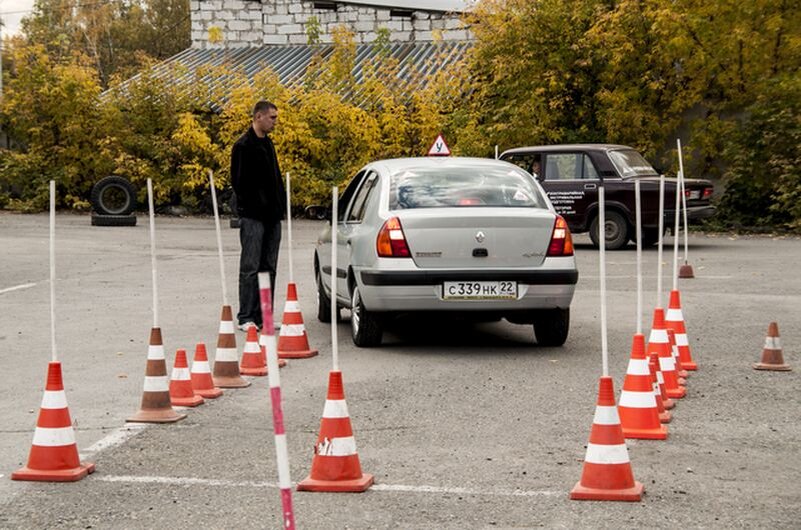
[{"x": 472, "y": 236}]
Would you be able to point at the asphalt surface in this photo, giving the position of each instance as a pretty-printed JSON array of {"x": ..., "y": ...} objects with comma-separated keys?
[{"x": 463, "y": 426}]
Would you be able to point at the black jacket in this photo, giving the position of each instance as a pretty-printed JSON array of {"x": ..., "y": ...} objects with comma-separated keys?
[{"x": 256, "y": 179}]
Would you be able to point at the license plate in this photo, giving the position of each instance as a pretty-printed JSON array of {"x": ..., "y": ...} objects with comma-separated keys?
[
  {"x": 479, "y": 290},
  {"x": 695, "y": 194}
]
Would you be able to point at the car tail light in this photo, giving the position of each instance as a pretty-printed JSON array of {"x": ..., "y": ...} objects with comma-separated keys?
[
  {"x": 707, "y": 193},
  {"x": 561, "y": 240},
  {"x": 391, "y": 243}
]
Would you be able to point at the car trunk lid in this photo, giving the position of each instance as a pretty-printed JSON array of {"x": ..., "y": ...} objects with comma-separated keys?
[{"x": 478, "y": 237}]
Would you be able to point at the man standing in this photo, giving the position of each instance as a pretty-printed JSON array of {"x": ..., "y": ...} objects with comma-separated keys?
[{"x": 260, "y": 204}]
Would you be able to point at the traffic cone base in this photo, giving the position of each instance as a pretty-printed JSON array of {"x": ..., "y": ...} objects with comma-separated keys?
[
  {"x": 772, "y": 357},
  {"x": 340, "y": 486},
  {"x": 607, "y": 474},
  {"x": 54, "y": 453},
  {"x": 156, "y": 406},
  {"x": 583, "y": 493},
  {"x": 60, "y": 475},
  {"x": 293, "y": 343},
  {"x": 336, "y": 466},
  {"x": 202, "y": 383},
  {"x": 226, "y": 359}
]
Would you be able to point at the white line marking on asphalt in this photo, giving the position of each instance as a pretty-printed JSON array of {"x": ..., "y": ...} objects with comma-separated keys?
[
  {"x": 17, "y": 288},
  {"x": 116, "y": 437},
  {"x": 400, "y": 488}
]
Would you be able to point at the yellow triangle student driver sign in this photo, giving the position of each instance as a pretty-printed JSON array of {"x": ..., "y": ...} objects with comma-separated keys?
[{"x": 439, "y": 147}]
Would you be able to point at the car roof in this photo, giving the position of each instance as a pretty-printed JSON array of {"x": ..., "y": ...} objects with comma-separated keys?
[
  {"x": 568, "y": 147},
  {"x": 393, "y": 165}
]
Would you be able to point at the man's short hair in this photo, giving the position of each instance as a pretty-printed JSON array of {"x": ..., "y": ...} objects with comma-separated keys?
[{"x": 263, "y": 106}]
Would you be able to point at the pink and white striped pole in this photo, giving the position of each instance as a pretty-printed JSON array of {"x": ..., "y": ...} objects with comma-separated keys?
[{"x": 271, "y": 347}]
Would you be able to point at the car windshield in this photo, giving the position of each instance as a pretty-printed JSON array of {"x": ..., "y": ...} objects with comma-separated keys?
[
  {"x": 463, "y": 187},
  {"x": 630, "y": 163}
]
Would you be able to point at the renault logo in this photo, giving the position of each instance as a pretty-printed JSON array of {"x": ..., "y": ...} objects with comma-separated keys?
[{"x": 480, "y": 237}]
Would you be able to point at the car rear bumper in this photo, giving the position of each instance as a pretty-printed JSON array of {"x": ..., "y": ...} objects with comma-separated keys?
[
  {"x": 422, "y": 290},
  {"x": 694, "y": 213}
]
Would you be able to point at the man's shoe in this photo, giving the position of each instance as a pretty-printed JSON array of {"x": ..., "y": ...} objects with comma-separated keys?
[{"x": 247, "y": 325}]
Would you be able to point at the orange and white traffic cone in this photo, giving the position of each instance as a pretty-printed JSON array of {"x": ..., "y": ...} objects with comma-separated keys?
[
  {"x": 226, "y": 358},
  {"x": 252, "y": 362},
  {"x": 293, "y": 343},
  {"x": 660, "y": 381},
  {"x": 54, "y": 453},
  {"x": 772, "y": 357},
  {"x": 336, "y": 465},
  {"x": 202, "y": 382},
  {"x": 607, "y": 474},
  {"x": 674, "y": 319},
  {"x": 659, "y": 343},
  {"x": 653, "y": 366},
  {"x": 639, "y": 413},
  {"x": 681, "y": 373},
  {"x": 181, "y": 392},
  {"x": 156, "y": 405}
]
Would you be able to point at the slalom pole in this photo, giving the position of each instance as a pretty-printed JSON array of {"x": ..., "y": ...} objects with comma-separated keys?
[
  {"x": 334, "y": 339},
  {"x": 602, "y": 254},
  {"x": 53, "y": 271},
  {"x": 638, "y": 218},
  {"x": 661, "y": 238},
  {"x": 289, "y": 226},
  {"x": 153, "y": 252},
  {"x": 281, "y": 453},
  {"x": 496, "y": 151},
  {"x": 219, "y": 236},
  {"x": 677, "y": 217},
  {"x": 683, "y": 200}
]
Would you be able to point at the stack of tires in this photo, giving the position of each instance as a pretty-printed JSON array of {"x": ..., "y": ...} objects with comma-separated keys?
[{"x": 113, "y": 199}]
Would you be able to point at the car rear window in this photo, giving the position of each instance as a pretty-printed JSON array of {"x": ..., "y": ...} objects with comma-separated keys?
[
  {"x": 463, "y": 187},
  {"x": 630, "y": 163}
]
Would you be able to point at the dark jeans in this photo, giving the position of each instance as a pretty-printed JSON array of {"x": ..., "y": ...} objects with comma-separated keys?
[{"x": 260, "y": 242}]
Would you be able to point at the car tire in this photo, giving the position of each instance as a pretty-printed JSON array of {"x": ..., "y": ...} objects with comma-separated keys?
[
  {"x": 552, "y": 326},
  {"x": 113, "y": 195},
  {"x": 365, "y": 326},
  {"x": 323, "y": 302},
  {"x": 113, "y": 220},
  {"x": 617, "y": 231}
]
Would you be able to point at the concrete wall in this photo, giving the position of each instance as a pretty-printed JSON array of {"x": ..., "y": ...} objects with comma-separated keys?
[{"x": 255, "y": 23}]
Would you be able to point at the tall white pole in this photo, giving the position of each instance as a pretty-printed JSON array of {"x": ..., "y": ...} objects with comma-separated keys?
[
  {"x": 219, "y": 236},
  {"x": 683, "y": 199},
  {"x": 677, "y": 216},
  {"x": 602, "y": 254},
  {"x": 289, "y": 226},
  {"x": 153, "y": 252},
  {"x": 638, "y": 218},
  {"x": 334, "y": 223},
  {"x": 496, "y": 152},
  {"x": 53, "y": 270},
  {"x": 661, "y": 237}
]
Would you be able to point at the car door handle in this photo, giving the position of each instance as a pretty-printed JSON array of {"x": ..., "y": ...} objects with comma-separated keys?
[{"x": 590, "y": 186}]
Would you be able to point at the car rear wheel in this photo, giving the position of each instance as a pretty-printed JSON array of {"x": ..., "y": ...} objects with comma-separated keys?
[
  {"x": 324, "y": 303},
  {"x": 365, "y": 326},
  {"x": 616, "y": 231},
  {"x": 552, "y": 326}
]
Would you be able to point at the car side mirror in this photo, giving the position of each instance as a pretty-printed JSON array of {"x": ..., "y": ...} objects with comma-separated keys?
[{"x": 318, "y": 212}]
